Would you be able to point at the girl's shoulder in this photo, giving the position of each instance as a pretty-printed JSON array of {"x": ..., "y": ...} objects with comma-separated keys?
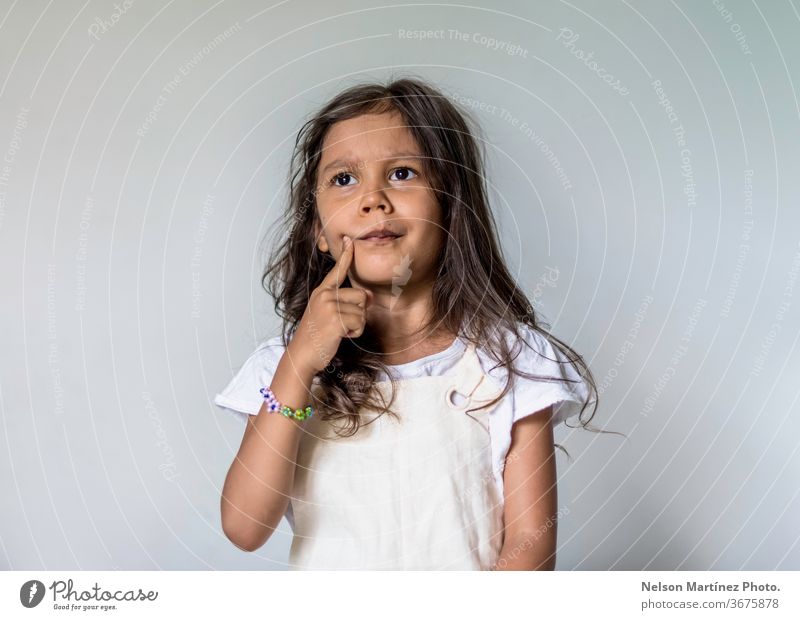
[
  {"x": 543, "y": 376},
  {"x": 270, "y": 345},
  {"x": 242, "y": 393},
  {"x": 529, "y": 349},
  {"x": 265, "y": 357}
]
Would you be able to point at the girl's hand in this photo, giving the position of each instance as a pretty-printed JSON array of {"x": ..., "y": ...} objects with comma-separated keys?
[{"x": 332, "y": 313}]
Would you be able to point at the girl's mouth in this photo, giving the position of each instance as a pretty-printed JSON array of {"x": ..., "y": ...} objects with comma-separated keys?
[{"x": 380, "y": 239}]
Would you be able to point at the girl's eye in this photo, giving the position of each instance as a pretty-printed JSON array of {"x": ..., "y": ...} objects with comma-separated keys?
[
  {"x": 404, "y": 173},
  {"x": 342, "y": 179},
  {"x": 341, "y": 176}
]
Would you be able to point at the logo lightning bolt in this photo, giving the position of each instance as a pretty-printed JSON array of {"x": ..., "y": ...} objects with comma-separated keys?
[{"x": 402, "y": 274}]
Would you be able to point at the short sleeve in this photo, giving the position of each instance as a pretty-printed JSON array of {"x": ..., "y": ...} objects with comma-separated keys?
[
  {"x": 242, "y": 396},
  {"x": 567, "y": 395}
]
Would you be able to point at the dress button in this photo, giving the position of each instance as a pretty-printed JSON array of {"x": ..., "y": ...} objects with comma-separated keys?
[{"x": 456, "y": 398}]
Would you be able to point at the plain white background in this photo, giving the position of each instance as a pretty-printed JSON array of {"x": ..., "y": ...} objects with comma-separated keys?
[{"x": 145, "y": 153}]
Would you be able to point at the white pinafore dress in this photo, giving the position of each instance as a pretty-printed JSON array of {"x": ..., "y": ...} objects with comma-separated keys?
[{"x": 417, "y": 493}]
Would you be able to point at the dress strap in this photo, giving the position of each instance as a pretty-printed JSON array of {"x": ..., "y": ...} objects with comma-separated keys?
[{"x": 471, "y": 382}]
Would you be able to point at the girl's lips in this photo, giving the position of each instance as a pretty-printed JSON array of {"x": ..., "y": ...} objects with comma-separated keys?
[{"x": 380, "y": 240}]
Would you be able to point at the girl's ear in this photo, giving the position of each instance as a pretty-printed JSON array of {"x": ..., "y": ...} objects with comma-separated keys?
[{"x": 319, "y": 238}]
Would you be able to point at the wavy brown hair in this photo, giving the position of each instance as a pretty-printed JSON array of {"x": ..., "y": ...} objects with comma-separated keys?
[{"x": 474, "y": 295}]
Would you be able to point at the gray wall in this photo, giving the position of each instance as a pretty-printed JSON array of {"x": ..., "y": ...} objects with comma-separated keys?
[{"x": 656, "y": 227}]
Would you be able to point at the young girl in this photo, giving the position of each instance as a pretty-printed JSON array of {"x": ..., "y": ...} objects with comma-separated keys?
[{"x": 406, "y": 441}]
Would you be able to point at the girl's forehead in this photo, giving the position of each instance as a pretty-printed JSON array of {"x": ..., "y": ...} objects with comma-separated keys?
[{"x": 368, "y": 132}]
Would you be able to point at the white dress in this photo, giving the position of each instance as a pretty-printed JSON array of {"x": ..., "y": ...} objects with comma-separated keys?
[
  {"x": 241, "y": 396},
  {"x": 416, "y": 493}
]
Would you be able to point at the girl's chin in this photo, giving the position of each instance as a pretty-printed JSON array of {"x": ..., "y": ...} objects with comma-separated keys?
[
  {"x": 375, "y": 277},
  {"x": 379, "y": 264},
  {"x": 382, "y": 268},
  {"x": 379, "y": 274}
]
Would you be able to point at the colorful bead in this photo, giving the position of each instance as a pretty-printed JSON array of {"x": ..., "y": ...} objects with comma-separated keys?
[{"x": 274, "y": 406}]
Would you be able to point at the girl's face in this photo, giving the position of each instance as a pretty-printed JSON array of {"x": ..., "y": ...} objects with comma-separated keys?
[{"x": 371, "y": 175}]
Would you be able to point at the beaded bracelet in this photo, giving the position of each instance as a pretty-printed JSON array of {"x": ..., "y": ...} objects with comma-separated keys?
[{"x": 273, "y": 405}]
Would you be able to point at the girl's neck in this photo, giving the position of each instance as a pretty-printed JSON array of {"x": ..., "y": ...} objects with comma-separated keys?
[
  {"x": 403, "y": 322},
  {"x": 401, "y": 350}
]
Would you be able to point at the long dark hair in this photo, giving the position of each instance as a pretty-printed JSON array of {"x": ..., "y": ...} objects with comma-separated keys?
[{"x": 474, "y": 295}]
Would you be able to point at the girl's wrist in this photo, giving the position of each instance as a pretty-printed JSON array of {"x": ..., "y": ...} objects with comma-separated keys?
[
  {"x": 300, "y": 361},
  {"x": 275, "y": 406}
]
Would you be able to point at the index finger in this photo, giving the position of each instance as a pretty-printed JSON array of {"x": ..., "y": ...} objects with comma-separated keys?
[{"x": 335, "y": 277}]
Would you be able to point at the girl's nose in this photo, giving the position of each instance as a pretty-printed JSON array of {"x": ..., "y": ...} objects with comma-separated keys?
[{"x": 374, "y": 198}]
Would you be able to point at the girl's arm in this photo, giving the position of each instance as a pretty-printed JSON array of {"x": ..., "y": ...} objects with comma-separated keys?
[
  {"x": 259, "y": 482},
  {"x": 529, "y": 481}
]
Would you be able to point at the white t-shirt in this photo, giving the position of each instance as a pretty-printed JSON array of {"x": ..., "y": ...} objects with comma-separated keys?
[{"x": 527, "y": 396}]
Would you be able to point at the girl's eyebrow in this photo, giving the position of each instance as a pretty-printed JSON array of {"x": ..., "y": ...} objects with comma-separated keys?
[{"x": 355, "y": 163}]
